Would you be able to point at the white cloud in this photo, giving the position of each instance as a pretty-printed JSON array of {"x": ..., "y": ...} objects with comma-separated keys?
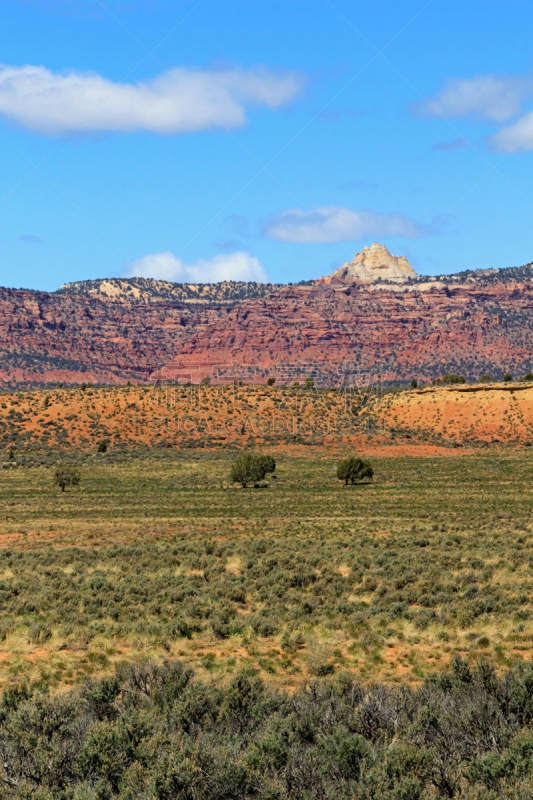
[
  {"x": 177, "y": 101},
  {"x": 240, "y": 266},
  {"x": 516, "y": 138},
  {"x": 492, "y": 97},
  {"x": 335, "y": 224}
]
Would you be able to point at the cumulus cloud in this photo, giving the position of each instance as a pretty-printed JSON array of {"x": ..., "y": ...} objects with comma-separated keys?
[
  {"x": 515, "y": 138},
  {"x": 336, "y": 224},
  {"x": 492, "y": 97},
  {"x": 240, "y": 266},
  {"x": 177, "y": 101}
]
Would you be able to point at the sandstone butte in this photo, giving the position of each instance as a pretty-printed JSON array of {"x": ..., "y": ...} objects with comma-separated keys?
[
  {"x": 372, "y": 264},
  {"x": 116, "y": 331}
]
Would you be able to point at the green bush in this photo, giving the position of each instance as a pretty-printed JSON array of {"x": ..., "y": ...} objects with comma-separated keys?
[
  {"x": 66, "y": 475},
  {"x": 354, "y": 470},
  {"x": 449, "y": 380},
  {"x": 157, "y": 731},
  {"x": 251, "y": 468}
]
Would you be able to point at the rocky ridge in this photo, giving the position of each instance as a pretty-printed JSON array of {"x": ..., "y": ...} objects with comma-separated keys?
[
  {"x": 105, "y": 332},
  {"x": 150, "y": 290}
]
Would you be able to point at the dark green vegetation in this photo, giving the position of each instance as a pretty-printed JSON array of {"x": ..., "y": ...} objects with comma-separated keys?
[
  {"x": 161, "y": 557},
  {"x": 251, "y": 468},
  {"x": 157, "y": 733},
  {"x": 449, "y": 380},
  {"x": 66, "y": 475},
  {"x": 354, "y": 470}
]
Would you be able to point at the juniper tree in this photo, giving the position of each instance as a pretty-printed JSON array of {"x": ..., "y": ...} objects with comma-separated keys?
[
  {"x": 354, "y": 470},
  {"x": 66, "y": 475}
]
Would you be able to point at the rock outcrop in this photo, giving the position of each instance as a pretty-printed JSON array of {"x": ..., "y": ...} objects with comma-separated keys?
[{"x": 373, "y": 264}]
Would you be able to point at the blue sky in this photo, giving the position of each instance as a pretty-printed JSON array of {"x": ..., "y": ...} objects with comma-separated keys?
[{"x": 200, "y": 140}]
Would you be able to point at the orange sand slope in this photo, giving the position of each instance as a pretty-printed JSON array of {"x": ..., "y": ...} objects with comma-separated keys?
[
  {"x": 499, "y": 413},
  {"x": 215, "y": 415}
]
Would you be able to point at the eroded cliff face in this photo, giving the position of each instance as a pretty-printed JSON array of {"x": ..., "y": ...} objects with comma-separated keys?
[
  {"x": 428, "y": 333},
  {"x": 49, "y": 338},
  {"x": 471, "y": 329}
]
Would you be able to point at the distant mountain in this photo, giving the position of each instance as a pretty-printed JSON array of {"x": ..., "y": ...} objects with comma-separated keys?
[{"x": 115, "y": 330}]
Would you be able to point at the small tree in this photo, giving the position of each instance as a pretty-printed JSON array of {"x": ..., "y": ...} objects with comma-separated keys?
[
  {"x": 507, "y": 378},
  {"x": 414, "y": 383},
  {"x": 251, "y": 468},
  {"x": 486, "y": 378},
  {"x": 65, "y": 475},
  {"x": 102, "y": 446},
  {"x": 354, "y": 470},
  {"x": 271, "y": 381}
]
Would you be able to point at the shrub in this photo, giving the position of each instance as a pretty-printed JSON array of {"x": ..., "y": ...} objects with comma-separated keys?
[
  {"x": 39, "y": 632},
  {"x": 528, "y": 376},
  {"x": 486, "y": 378},
  {"x": 251, "y": 468},
  {"x": 354, "y": 470},
  {"x": 414, "y": 383},
  {"x": 66, "y": 475},
  {"x": 449, "y": 380},
  {"x": 102, "y": 446},
  {"x": 507, "y": 378},
  {"x": 271, "y": 381}
]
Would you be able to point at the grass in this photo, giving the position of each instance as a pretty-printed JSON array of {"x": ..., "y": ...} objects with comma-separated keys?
[{"x": 159, "y": 556}]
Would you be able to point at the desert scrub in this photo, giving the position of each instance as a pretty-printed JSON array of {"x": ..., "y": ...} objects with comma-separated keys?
[
  {"x": 154, "y": 555},
  {"x": 159, "y": 731}
]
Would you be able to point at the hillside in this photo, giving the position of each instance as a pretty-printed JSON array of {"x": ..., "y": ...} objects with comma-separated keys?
[
  {"x": 505, "y": 275},
  {"x": 467, "y": 329},
  {"x": 53, "y": 338},
  {"x": 149, "y": 290},
  {"x": 219, "y": 417}
]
